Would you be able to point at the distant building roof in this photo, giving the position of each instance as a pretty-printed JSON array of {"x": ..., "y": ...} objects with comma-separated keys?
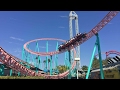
[{"x": 105, "y": 68}]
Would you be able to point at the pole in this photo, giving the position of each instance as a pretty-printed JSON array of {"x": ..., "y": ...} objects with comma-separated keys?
[
  {"x": 38, "y": 58},
  {"x": 65, "y": 59},
  {"x": 91, "y": 61},
  {"x": 10, "y": 72},
  {"x": 77, "y": 74},
  {"x": 47, "y": 56},
  {"x": 1, "y": 70},
  {"x": 69, "y": 76},
  {"x": 100, "y": 58},
  {"x": 56, "y": 58},
  {"x": 50, "y": 65},
  {"x": 77, "y": 70},
  {"x": 40, "y": 63}
]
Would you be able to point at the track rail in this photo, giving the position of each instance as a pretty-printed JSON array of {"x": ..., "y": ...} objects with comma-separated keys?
[
  {"x": 19, "y": 60},
  {"x": 112, "y": 52},
  {"x": 11, "y": 62},
  {"x": 109, "y": 52}
]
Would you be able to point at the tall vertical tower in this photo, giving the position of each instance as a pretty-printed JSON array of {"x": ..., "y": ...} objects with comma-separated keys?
[{"x": 74, "y": 16}]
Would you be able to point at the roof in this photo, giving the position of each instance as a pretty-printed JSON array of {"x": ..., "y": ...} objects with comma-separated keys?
[
  {"x": 109, "y": 65},
  {"x": 106, "y": 68}
]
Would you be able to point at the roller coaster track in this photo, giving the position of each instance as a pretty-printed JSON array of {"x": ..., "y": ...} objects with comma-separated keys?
[
  {"x": 9, "y": 61},
  {"x": 19, "y": 60},
  {"x": 109, "y": 52},
  {"x": 112, "y": 52}
]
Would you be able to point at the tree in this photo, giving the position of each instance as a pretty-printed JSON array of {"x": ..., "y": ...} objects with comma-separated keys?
[
  {"x": 38, "y": 60},
  {"x": 62, "y": 68},
  {"x": 105, "y": 62},
  {"x": 45, "y": 61},
  {"x": 48, "y": 62},
  {"x": 96, "y": 63},
  {"x": 84, "y": 67}
]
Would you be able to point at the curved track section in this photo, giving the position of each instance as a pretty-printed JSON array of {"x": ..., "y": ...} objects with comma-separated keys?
[
  {"x": 9, "y": 61},
  {"x": 94, "y": 31},
  {"x": 109, "y": 52},
  {"x": 42, "y": 53},
  {"x": 37, "y": 53},
  {"x": 101, "y": 53},
  {"x": 112, "y": 52}
]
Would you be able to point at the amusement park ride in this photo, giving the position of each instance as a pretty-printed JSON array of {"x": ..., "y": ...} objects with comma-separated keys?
[{"x": 72, "y": 56}]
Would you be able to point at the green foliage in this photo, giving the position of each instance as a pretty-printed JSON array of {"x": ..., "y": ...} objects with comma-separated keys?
[
  {"x": 62, "y": 68},
  {"x": 45, "y": 61},
  {"x": 105, "y": 62},
  {"x": 48, "y": 62},
  {"x": 84, "y": 67},
  {"x": 96, "y": 63},
  {"x": 22, "y": 77}
]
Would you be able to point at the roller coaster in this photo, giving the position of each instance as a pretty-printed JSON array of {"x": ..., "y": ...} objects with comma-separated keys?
[{"x": 67, "y": 46}]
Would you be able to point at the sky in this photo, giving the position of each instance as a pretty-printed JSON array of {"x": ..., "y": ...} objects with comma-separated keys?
[{"x": 19, "y": 27}]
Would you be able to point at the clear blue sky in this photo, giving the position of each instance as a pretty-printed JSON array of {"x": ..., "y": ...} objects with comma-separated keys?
[{"x": 18, "y": 27}]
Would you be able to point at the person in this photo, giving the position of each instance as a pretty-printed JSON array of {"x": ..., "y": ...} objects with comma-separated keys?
[
  {"x": 73, "y": 40},
  {"x": 59, "y": 48},
  {"x": 84, "y": 35},
  {"x": 67, "y": 44},
  {"x": 61, "y": 45},
  {"x": 78, "y": 35}
]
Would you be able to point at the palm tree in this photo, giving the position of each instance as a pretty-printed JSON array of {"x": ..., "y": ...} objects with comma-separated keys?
[
  {"x": 84, "y": 67},
  {"x": 44, "y": 63},
  {"x": 48, "y": 66},
  {"x": 48, "y": 63},
  {"x": 38, "y": 60}
]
